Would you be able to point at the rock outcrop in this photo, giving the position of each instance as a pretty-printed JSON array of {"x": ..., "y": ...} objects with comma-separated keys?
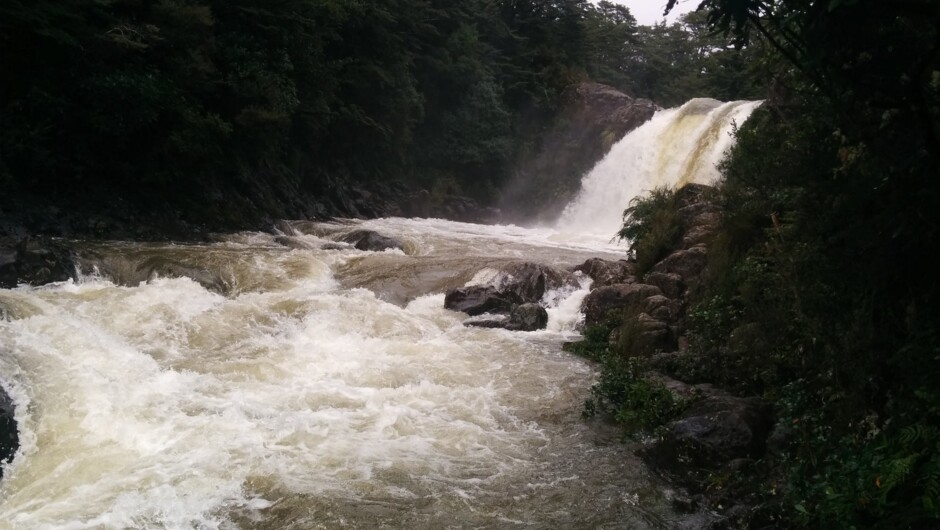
[
  {"x": 593, "y": 118},
  {"x": 715, "y": 432},
  {"x": 34, "y": 262},
  {"x": 601, "y": 301}
]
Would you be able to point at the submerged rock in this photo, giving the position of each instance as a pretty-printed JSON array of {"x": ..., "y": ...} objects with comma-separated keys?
[
  {"x": 524, "y": 317},
  {"x": 9, "y": 435},
  {"x": 372, "y": 241}
]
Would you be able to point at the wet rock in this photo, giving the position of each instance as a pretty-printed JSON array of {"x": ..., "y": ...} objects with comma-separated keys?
[
  {"x": 294, "y": 242},
  {"x": 479, "y": 299},
  {"x": 34, "y": 262},
  {"x": 285, "y": 228},
  {"x": 687, "y": 264},
  {"x": 524, "y": 317},
  {"x": 7, "y": 267},
  {"x": 493, "y": 323},
  {"x": 529, "y": 281},
  {"x": 670, "y": 284},
  {"x": 601, "y": 301},
  {"x": 372, "y": 241},
  {"x": 158, "y": 266},
  {"x": 9, "y": 435},
  {"x": 604, "y": 272},
  {"x": 528, "y": 317},
  {"x": 711, "y": 433}
]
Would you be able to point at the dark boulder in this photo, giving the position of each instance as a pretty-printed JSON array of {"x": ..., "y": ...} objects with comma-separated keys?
[
  {"x": 524, "y": 317},
  {"x": 601, "y": 301},
  {"x": 34, "y": 262},
  {"x": 712, "y": 432},
  {"x": 604, "y": 272},
  {"x": 670, "y": 284},
  {"x": 517, "y": 283},
  {"x": 528, "y": 317},
  {"x": 9, "y": 435},
  {"x": 661, "y": 308},
  {"x": 643, "y": 335},
  {"x": 687, "y": 264},
  {"x": 372, "y": 241},
  {"x": 530, "y": 281},
  {"x": 479, "y": 299}
]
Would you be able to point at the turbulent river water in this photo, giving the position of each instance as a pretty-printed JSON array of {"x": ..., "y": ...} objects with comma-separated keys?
[{"x": 280, "y": 381}]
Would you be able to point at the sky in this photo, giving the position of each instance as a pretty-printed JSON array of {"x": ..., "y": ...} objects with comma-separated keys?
[{"x": 651, "y": 11}]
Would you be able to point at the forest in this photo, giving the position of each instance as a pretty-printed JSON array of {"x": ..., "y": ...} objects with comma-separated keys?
[{"x": 193, "y": 106}]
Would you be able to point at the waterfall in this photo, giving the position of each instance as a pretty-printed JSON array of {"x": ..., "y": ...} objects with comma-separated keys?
[{"x": 676, "y": 147}]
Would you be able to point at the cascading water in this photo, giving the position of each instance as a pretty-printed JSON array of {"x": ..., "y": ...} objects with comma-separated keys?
[
  {"x": 677, "y": 146},
  {"x": 280, "y": 382}
]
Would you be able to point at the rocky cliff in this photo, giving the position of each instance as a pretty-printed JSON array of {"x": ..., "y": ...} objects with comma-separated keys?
[{"x": 592, "y": 118}]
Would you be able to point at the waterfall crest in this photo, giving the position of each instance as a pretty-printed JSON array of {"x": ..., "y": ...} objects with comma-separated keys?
[{"x": 677, "y": 146}]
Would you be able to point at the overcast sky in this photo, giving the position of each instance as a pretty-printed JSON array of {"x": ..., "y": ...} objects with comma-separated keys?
[{"x": 651, "y": 11}]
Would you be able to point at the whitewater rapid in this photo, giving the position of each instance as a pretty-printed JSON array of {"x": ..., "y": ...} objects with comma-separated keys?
[
  {"x": 290, "y": 381},
  {"x": 283, "y": 392}
]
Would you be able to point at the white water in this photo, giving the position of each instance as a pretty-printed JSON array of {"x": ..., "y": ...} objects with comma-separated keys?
[
  {"x": 676, "y": 147},
  {"x": 297, "y": 383},
  {"x": 302, "y": 399}
]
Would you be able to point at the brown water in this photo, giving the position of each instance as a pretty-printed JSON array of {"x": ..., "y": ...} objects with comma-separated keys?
[{"x": 269, "y": 382}]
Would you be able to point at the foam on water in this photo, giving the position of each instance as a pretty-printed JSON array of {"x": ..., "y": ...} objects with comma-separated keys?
[{"x": 164, "y": 404}]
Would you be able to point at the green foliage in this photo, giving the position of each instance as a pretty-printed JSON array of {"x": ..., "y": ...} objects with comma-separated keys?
[
  {"x": 624, "y": 391},
  {"x": 652, "y": 226},
  {"x": 822, "y": 256},
  {"x": 672, "y": 63},
  {"x": 636, "y": 402},
  {"x": 167, "y": 102}
]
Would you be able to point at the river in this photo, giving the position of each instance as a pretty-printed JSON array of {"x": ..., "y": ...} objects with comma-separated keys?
[{"x": 278, "y": 381}]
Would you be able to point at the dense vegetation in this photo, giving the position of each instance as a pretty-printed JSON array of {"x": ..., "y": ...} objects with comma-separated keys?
[
  {"x": 197, "y": 105},
  {"x": 823, "y": 258}
]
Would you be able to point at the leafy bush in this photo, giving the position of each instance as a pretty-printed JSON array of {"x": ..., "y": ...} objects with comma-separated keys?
[{"x": 652, "y": 226}]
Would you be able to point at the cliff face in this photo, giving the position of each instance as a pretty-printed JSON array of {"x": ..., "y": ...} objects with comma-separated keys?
[{"x": 593, "y": 117}]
